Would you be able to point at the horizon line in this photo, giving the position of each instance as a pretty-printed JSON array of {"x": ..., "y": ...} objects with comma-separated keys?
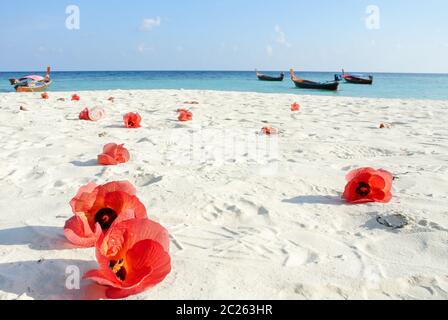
[{"x": 216, "y": 70}]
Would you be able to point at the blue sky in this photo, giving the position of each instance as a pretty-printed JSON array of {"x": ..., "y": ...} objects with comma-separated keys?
[{"x": 321, "y": 35}]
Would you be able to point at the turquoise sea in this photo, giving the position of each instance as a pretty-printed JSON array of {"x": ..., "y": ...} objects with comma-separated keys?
[{"x": 386, "y": 85}]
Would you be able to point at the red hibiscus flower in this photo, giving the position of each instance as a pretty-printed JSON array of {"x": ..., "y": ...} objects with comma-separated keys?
[
  {"x": 75, "y": 97},
  {"x": 368, "y": 185},
  {"x": 45, "y": 96},
  {"x": 113, "y": 154},
  {"x": 97, "y": 207},
  {"x": 132, "y": 120},
  {"x": 185, "y": 115},
  {"x": 269, "y": 131},
  {"x": 133, "y": 256},
  {"x": 84, "y": 115},
  {"x": 295, "y": 107}
]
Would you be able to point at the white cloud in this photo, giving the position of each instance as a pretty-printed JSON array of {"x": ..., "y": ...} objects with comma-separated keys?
[
  {"x": 281, "y": 37},
  {"x": 269, "y": 50},
  {"x": 150, "y": 23}
]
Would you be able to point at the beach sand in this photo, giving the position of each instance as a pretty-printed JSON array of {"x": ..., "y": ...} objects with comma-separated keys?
[{"x": 250, "y": 216}]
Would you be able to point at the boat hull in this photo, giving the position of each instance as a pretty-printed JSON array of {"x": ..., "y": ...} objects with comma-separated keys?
[
  {"x": 38, "y": 88},
  {"x": 263, "y": 77},
  {"x": 356, "y": 80},
  {"x": 330, "y": 86}
]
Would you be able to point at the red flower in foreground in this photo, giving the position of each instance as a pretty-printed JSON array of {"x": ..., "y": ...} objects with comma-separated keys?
[
  {"x": 368, "y": 185},
  {"x": 295, "y": 107},
  {"x": 113, "y": 154},
  {"x": 132, "y": 120},
  {"x": 75, "y": 97},
  {"x": 185, "y": 115},
  {"x": 45, "y": 96},
  {"x": 133, "y": 256},
  {"x": 269, "y": 131},
  {"x": 97, "y": 207},
  {"x": 84, "y": 115}
]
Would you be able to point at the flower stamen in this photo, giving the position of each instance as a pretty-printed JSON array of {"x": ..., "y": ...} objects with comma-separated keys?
[
  {"x": 105, "y": 217},
  {"x": 363, "y": 189},
  {"x": 118, "y": 268}
]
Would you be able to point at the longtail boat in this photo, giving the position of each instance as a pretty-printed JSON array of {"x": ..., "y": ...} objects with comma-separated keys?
[
  {"x": 263, "y": 77},
  {"x": 357, "y": 79},
  {"x": 32, "y": 83},
  {"x": 307, "y": 84}
]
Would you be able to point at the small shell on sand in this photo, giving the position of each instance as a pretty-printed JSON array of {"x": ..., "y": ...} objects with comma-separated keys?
[
  {"x": 96, "y": 114},
  {"x": 23, "y": 109}
]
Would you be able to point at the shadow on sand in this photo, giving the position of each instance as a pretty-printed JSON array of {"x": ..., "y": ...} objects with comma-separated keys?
[
  {"x": 329, "y": 200},
  {"x": 47, "y": 280},
  {"x": 89, "y": 163},
  {"x": 36, "y": 237}
]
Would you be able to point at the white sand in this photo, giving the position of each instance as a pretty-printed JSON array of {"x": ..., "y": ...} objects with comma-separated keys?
[{"x": 241, "y": 227}]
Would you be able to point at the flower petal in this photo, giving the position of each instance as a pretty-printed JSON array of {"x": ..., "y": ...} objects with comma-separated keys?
[
  {"x": 387, "y": 197},
  {"x": 120, "y": 202},
  {"x": 150, "y": 265},
  {"x": 110, "y": 149},
  {"x": 84, "y": 115},
  {"x": 124, "y": 186},
  {"x": 350, "y": 194},
  {"x": 143, "y": 229},
  {"x": 106, "y": 160},
  {"x": 122, "y": 154},
  {"x": 103, "y": 277},
  {"x": 377, "y": 182},
  {"x": 381, "y": 196},
  {"x": 358, "y": 172},
  {"x": 148, "y": 254},
  {"x": 123, "y": 236},
  {"x": 85, "y": 198},
  {"x": 78, "y": 232},
  {"x": 388, "y": 178}
]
